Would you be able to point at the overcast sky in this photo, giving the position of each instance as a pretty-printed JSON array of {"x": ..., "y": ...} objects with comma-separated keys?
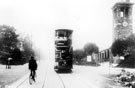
[{"x": 91, "y": 20}]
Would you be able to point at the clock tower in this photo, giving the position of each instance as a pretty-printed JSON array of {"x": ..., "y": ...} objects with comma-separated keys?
[{"x": 122, "y": 23}]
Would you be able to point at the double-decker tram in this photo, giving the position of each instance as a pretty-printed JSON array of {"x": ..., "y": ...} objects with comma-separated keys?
[{"x": 63, "y": 49}]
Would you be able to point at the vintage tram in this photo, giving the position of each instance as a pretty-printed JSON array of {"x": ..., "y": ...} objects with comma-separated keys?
[{"x": 63, "y": 49}]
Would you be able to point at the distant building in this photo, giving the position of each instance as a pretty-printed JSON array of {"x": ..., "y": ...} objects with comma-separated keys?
[
  {"x": 95, "y": 57},
  {"x": 92, "y": 58},
  {"x": 122, "y": 23},
  {"x": 105, "y": 55}
]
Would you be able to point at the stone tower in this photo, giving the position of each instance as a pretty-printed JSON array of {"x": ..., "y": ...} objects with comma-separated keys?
[{"x": 122, "y": 23}]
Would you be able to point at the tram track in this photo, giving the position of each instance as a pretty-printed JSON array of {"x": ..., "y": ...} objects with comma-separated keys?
[
  {"x": 74, "y": 80},
  {"x": 66, "y": 80},
  {"x": 61, "y": 80},
  {"x": 43, "y": 86},
  {"x": 85, "y": 81},
  {"x": 23, "y": 80},
  {"x": 45, "y": 78}
]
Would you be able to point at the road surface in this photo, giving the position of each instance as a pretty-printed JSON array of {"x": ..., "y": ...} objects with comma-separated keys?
[{"x": 80, "y": 77}]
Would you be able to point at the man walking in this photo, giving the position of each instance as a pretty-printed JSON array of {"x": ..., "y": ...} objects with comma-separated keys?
[{"x": 32, "y": 67}]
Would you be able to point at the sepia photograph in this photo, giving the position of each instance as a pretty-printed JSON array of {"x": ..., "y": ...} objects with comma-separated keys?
[{"x": 67, "y": 44}]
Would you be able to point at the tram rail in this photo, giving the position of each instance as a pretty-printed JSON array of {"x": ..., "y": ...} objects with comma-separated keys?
[{"x": 61, "y": 80}]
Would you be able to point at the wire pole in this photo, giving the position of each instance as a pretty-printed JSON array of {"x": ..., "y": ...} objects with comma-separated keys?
[
  {"x": 109, "y": 66},
  {"x": 110, "y": 59},
  {"x": 31, "y": 41}
]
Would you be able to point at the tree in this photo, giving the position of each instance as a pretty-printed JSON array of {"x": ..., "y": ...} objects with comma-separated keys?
[
  {"x": 90, "y": 48},
  {"x": 123, "y": 47},
  {"x": 11, "y": 45},
  {"x": 8, "y": 38},
  {"x": 78, "y": 55},
  {"x": 27, "y": 48},
  {"x": 8, "y": 42},
  {"x": 118, "y": 47},
  {"x": 16, "y": 54}
]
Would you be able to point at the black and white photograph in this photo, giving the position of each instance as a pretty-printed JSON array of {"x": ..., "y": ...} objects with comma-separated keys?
[{"x": 67, "y": 44}]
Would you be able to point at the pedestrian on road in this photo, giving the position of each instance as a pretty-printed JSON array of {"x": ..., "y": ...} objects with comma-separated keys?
[
  {"x": 32, "y": 67},
  {"x": 8, "y": 63}
]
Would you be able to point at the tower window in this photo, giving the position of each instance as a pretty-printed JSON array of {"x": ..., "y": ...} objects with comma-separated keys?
[
  {"x": 121, "y": 14},
  {"x": 127, "y": 12}
]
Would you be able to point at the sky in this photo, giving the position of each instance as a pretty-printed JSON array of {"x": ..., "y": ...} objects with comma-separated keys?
[{"x": 90, "y": 20}]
